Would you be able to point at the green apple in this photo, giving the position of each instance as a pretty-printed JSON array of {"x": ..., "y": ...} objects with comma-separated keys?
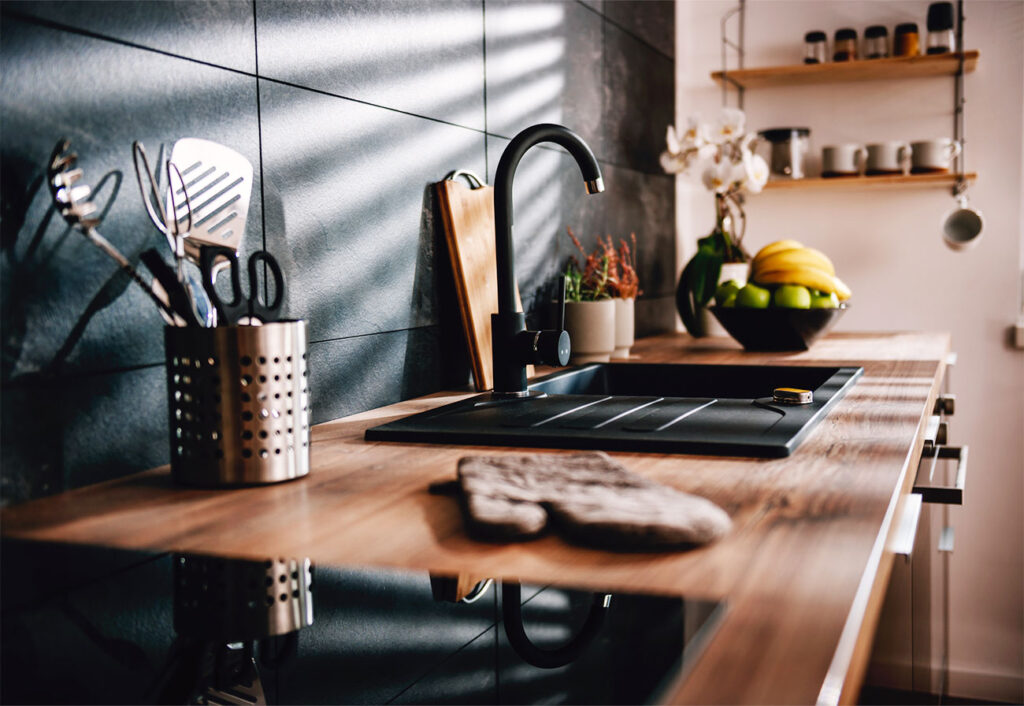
[
  {"x": 725, "y": 295},
  {"x": 792, "y": 296},
  {"x": 824, "y": 300},
  {"x": 753, "y": 297}
]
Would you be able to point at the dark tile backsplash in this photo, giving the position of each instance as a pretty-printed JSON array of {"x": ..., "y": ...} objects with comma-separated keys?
[
  {"x": 218, "y": 32},
  {"x": 348, "y": 112}
]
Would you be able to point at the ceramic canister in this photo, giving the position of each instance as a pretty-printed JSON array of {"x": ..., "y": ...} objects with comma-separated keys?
[
  {"x": 934, "y": 156},
  {"x": 843, "y": 160},
  {"x": 624, "y": 327},
  {"x": 591, "y": 327},
  {"x": 888, "y": 158}
]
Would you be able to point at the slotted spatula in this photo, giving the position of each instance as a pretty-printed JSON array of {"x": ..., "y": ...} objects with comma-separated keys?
[{"x": 219, "y": 185}]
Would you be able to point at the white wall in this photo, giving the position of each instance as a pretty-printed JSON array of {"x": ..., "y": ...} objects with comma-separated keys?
[{"x": 887, "y": 246}]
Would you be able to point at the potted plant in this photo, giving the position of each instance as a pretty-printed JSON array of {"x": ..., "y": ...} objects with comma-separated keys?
[
  {"x": 730, "y": 169},
  {"x": 599, "y": 299}
]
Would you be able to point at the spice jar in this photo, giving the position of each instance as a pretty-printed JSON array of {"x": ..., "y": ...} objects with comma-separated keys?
[
  {"x": 940, "y": 28},
  {"x": 876, "y": 42},
  {"x": 907, "y": 42},
  {"x": 815, "y": 47},
  {"x": 845, "y": 45}
]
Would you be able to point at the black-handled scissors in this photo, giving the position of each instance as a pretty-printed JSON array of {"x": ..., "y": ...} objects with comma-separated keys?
[{"x": 240, "y": 307}]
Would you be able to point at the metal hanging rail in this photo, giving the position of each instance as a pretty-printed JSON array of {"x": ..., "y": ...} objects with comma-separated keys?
[
  {"x": 737, "y": 46},
  {"x": 959, "y": 101}
]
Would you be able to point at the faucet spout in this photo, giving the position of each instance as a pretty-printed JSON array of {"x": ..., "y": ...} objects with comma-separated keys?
[
  {"x": 507, "y": 325},
  {"x": 545, "y": 132}
]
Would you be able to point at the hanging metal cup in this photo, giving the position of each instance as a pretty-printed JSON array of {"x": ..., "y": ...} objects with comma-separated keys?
[
  {"x": 962, "y": 227},
  {"x": 238, "y": 403}
]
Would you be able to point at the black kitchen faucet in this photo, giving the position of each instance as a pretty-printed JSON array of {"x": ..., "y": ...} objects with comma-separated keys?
[{"x": 513, "y": 346}]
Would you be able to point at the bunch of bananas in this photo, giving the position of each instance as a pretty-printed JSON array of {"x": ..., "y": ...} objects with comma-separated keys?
[{"x": 789, "y": 262}]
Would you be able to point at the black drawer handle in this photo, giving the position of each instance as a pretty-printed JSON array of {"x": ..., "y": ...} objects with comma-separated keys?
[{"x": 949, "y": 495}]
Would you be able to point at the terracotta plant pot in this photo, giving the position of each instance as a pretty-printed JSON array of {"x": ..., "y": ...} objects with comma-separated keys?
[
  {"x": 624, "y": 327},
  {"x": 591, "y": 327}
]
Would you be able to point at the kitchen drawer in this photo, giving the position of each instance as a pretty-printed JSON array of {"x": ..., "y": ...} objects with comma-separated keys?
[{"x": 911, "y": 645}]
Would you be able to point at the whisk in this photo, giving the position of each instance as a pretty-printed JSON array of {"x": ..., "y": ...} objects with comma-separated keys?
[
  {"x": 71, "y": 199},
  {"x": 73, "y": 205}
]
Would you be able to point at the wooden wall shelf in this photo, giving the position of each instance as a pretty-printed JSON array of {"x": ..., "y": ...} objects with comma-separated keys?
[
  {"x": 847, "y": 71},
  {"x": 866, "y": 182}
]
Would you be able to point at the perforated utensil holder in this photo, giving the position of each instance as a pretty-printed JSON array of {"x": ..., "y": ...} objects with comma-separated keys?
[
  {"x": 238, "y": 399},
  {"x": 235, "y": 599}
]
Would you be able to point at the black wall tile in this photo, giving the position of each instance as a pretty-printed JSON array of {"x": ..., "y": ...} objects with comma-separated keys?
[
  {"x": 105, "y": 642},
  {"x": 654, "y": 315},
  {"x": 65, "y": 307},
  {"x": 638, "y": 100},
  {"x": 466, "y": 677},
  {"x": 422, "y": 58},
  {"x": 650, "y": 20},
  {"x": 65, "y": 432},
  {"x": 353, "y": 374},
  {"x": 544, "y": 62},
  {"x": 377, "y": 633},
  {"x": 645, "y": 204},
  {"x": 216, "y": 31},
  {"x": 350, "y": 213}
]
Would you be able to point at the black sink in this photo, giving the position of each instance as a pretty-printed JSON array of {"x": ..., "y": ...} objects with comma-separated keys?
[{"x": 698, "y": 409}]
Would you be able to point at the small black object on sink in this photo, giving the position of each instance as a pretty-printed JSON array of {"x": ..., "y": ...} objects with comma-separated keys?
[{"x": 663, "y": 408}]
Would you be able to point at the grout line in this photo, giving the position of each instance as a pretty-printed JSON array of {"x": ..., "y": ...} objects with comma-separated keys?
[
  {"x": 37, "y": 377},
  {"x": 78, "y": 586},
  {"x": 437, "y": 667},
  {"x": 368, "y": 103},
  {"x": 626, "y": 31},
  {"x": 483, "y": 7},
  {"x": 605, "y": 162},
  {"x": 14, "y": 14},
  {"x": 374, "y": 333},
  {"x": 95, "y": 35},
  {"x": 259, "y": 139}
]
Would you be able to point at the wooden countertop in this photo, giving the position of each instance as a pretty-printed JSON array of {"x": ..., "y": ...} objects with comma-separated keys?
[{"x": 804, "y": 569}]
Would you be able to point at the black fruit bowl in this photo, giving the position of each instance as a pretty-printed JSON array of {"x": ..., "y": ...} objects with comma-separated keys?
[{"x": 777, "y": 329}]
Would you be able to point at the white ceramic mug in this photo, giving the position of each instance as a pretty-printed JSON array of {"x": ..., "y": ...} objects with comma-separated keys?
[
  {"x": 888, "y": 158},
  {"x": 843, "y": 160},
  {"x": 933, "y": 155},
  {"x": 961, "y": 229}
]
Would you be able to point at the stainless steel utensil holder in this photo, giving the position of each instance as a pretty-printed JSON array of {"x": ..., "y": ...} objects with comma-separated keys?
[
  {"x": 238, "y": 400},
  {"x": 235, "y": 600}
]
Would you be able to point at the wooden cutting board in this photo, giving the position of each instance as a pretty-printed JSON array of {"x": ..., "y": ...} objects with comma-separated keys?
[{"x": 468, "y": 218}]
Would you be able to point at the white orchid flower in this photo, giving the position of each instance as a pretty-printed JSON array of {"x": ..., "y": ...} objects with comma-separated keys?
[
  {"x": 718, "y": 177},
  {"x": 756, "y": 170},
  {"x": 673, "y": 163},
  {"x": 707, "y": 150},
  {"x": 696, "y": 133},
  {"x": 672, "y": 141},
  {"x": 730, "y": 124}
]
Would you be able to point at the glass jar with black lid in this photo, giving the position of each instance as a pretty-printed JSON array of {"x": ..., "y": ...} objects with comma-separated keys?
[
  {"x": 815, "y": 47},
  {"x": 876, "y": 42},
  {"x": 907, "y": 41},
  {"x": 844, "y": 48},
  {"x": 941, "y": 38}
]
